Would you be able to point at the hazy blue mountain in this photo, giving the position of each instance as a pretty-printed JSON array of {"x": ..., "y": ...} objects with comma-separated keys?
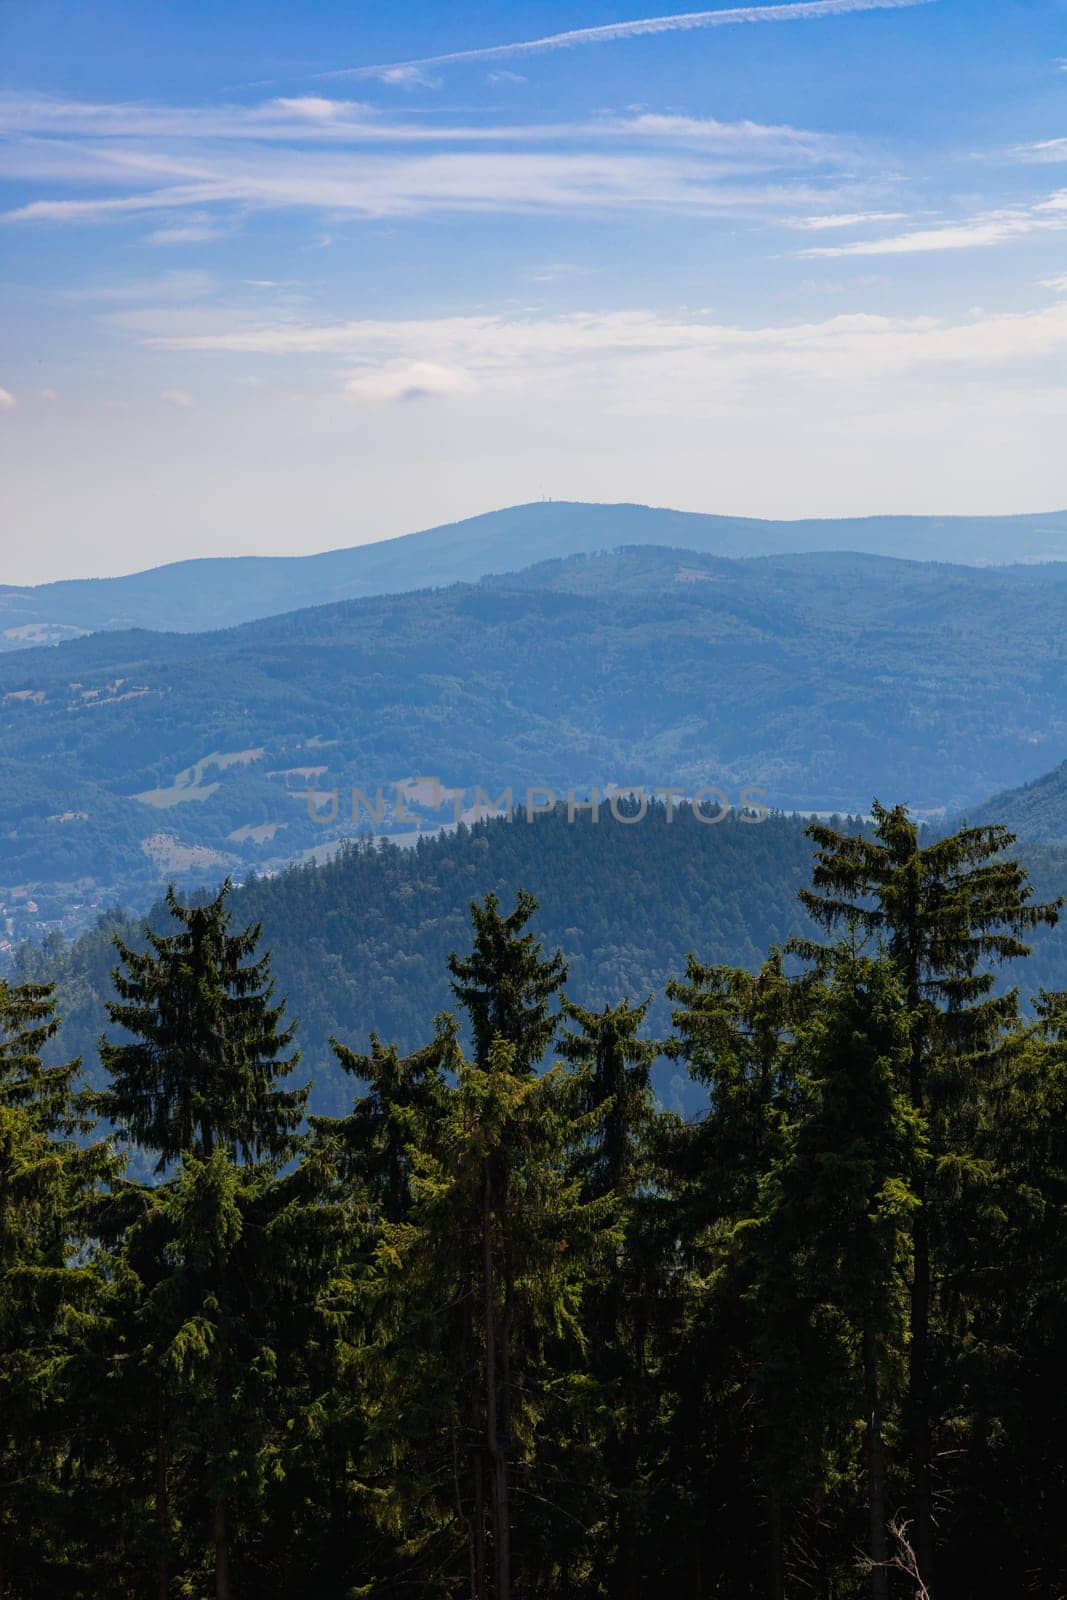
[
  {"x": 130, "y": 758},
  {"x": 189, "y": 596},
  {"x": 1036, "y": 811}
]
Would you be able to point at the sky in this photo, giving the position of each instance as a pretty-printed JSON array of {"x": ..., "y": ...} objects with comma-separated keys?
[{"x": 278, "y": 278}]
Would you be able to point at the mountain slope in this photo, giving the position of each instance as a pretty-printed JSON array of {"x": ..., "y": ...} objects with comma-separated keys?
[
  {"x": 824, "y": 679},
  {"x": 1037, "y": 811},
  {"x": 190, "y": 596},
  {"x": 362, "y": 943}
]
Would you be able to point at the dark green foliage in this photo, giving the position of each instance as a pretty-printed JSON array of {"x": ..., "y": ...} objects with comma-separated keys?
[
  {"x": 504, "y": 1333},
  {"x": 505, "y": 986},
  {"x": 207, "y": 1044},
  {"x": 50, "y": 1296},
  {"x": 362, "y": 943}
]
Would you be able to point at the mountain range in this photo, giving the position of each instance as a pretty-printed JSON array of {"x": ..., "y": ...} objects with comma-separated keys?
[
  {"x": 191, "y": 596},
  {"x": 128, "y": 758}
]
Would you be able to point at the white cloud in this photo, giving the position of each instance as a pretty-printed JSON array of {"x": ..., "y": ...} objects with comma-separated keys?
[
  {"x": 498, "y": 181},
  {"x": 988, "y": 228},
  {"x": 847, "y": 219},
  {"x": 193, "y": 172},
  {"x": 801, "y": 10},
  {"x": 127, "y": 133},
  {"x": 180, "y": 398},
  {"x": 7, "y": 400},
  {"x": 1044, "y": 150},
  {"x": 185, "y": 233},
  {"x": 637, "y": 361},
  {"x": 403, "y": 380},
  {"x": 49, "y": 396}
]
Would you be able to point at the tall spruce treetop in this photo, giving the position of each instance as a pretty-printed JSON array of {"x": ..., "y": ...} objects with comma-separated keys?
[
  {"x": 506, "y": 985},
  {"x": 618, "y": 1089},
  {"x": 208, "y": 1044},
  {"x": 402, "y": 1096},
  {"x": 944, "y": 913},
  {"x": 27, "y": 1022}
]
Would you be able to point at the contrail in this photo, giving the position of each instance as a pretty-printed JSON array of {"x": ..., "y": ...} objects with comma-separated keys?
[{"x": 796, "y": 11}]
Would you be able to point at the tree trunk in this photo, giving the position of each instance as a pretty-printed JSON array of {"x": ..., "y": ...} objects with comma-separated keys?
[
  {"x": 776, "y": 1532},
  {"x": 498, "y": 1475},
  {"x": 478, "y": 1552},
  {"x": 919, "y": 1397},
  {"x": 222, "y": 1554},
  {"x": 162, "y": 1499},
  {"x": 876, "y": 1490},
  {"x": 919, "y": 1355}
]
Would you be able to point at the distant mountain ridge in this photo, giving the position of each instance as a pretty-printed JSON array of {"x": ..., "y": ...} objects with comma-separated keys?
[
  {"x": 826, "y": 679},
  {"x": 219, "y": 592}
]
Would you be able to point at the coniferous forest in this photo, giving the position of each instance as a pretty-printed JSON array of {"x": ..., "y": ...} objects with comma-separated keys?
[{"x": 506, "y": 1328}]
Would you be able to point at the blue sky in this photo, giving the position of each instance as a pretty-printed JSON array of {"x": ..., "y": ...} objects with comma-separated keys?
[{"x": 280, "y": 278}]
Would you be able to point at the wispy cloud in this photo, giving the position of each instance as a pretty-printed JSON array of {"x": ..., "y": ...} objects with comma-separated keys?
[
  {"x": 846, "y": 219},
  {"x": 1052, "y": 150},
  {"x": 632, "y": 360},
  {"x": 124, "y": 136},
  {"x": 165, "y": 286},
  {"x": 7, "y": 400},
  {"x": 179, "y": 398},
  {"x": 192, "y": 170},
  {"x": 988, "y": 228},
  {"x": 607, "y": 33}
]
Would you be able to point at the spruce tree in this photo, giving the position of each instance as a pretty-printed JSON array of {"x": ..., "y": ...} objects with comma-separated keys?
[
  {"x": 372, "y": 1146},
  {"x": 735, "y": 1031},
  {"x": 208, "y": 1044},
  {"x": 505, "y": 985},
  {"x": 945, "y": 913},
  {"x": 487, "y": 1273},
  {"x": 624, "y": 1288},
  {"x": 833, "y": 1243},
  {"x": 50, "y": 1290}
]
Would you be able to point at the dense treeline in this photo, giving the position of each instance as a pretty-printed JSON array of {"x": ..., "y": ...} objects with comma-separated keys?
[
  {"x": 363, "y": 941},
  {"x": 503, "y": 1331}
]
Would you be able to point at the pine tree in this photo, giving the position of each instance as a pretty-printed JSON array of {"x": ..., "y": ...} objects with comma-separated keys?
[
  {"x": 945, "y": 913},
  {"x": 207, "y": 1050},
  {"x": 505, "y": 985}
]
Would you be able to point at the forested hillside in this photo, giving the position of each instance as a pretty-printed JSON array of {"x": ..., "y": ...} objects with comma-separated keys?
[
  {"x": 361, "y": 944},
  {"x": 189, "y": 596},
  {"x": 133, "y": 758},
  {"x": 1036, "y": 811}
]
